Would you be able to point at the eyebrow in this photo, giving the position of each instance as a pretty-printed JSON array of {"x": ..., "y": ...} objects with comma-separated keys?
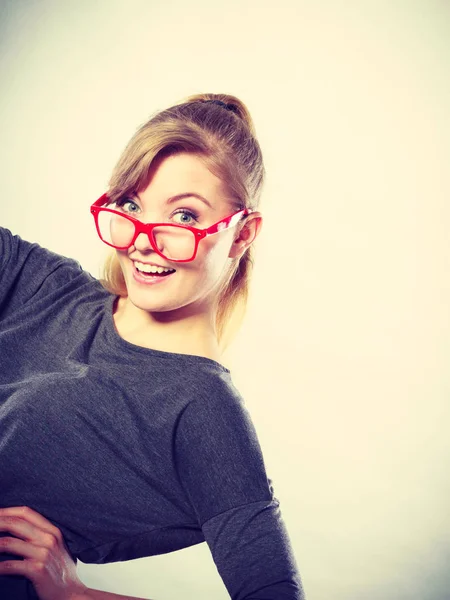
[{"x": 186, "y": 195}]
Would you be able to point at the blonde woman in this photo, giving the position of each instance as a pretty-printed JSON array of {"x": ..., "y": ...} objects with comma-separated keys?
[{"x": 122, "y": 434}]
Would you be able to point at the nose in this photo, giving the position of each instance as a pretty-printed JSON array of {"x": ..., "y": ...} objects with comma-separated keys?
[{"x": 143, "y": 243}]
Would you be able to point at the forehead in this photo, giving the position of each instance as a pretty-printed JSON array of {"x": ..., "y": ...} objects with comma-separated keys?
[{"x": 180, "y": 173}]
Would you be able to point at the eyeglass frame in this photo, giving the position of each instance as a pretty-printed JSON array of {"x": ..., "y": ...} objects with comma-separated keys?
[{"x": 147, "y": 228}]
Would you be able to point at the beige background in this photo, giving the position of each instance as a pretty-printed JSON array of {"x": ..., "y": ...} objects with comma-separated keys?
[{"x": 343, "y": 359}]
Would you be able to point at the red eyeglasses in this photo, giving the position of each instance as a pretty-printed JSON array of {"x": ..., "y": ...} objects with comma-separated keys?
[{"x": 174, "y": 242}]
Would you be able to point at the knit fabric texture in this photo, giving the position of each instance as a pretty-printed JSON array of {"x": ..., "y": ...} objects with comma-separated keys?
[{"x": 129, "y": 451}]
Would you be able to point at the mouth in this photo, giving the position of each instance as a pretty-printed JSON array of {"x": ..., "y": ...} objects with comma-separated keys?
[{"x": 147, "y": 277}]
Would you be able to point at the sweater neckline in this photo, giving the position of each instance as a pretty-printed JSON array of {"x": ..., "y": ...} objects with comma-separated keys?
[{"x": 127, "y": 346}]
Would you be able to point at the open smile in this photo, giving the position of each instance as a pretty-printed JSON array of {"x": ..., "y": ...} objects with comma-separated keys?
[{"x": 151, "y": 278}]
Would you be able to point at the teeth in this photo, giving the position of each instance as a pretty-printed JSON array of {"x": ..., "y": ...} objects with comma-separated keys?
[{"x": 150, "y": 269}]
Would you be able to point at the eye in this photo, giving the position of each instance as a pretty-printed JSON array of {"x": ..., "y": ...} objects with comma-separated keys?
[
  {"x": 189, "y": 213},
  {"x": 123, "y": 201},
  {"x": 130, "y": 207}
]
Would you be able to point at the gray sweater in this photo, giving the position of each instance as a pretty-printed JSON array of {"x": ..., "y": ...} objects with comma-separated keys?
[{"x": 129, "y": 451}]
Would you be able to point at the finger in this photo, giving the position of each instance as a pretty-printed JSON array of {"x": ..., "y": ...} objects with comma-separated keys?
[
  {"x": 11, "y": 545},
  {"x": 27, "y": 513},
  {"x": 12, "y": 567},
  {"x": 28, "y": 532},
  {"x": 20, "y": 567}
]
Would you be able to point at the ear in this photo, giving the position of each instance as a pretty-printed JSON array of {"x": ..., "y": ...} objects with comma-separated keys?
[{"x": 246, "y": 234}]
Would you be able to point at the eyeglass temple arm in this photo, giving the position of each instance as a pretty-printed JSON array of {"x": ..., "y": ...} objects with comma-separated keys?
[
  {"x": 102, "y": 200},
  {"x": 228, "y": 221}
]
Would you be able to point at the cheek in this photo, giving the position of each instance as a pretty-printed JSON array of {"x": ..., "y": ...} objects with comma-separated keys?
[
  {"x": 126, "y": 267},
  {"x": 122, "y": 262},
  {"x": 215, "y": 257},
  {"x": 217, "y": 246}
]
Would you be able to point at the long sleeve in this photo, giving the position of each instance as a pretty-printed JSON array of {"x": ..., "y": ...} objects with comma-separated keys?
[
  {"x": 221, "y": 468},
  {"x": 27, "y": 271}
]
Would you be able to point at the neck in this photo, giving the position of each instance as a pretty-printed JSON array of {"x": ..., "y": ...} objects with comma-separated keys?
[{"x": 183, "y": 333}]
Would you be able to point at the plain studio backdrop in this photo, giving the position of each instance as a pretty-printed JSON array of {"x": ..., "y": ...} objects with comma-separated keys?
[{"x": 343, "y": 357}]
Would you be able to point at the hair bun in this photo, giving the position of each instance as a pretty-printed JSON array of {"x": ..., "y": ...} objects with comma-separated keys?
[
  {"x": 227, "y": 106},
  {"x": 230, "y": 103}
]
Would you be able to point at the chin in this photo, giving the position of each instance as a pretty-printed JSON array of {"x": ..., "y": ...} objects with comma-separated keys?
[{"x": 145, "y": 300}]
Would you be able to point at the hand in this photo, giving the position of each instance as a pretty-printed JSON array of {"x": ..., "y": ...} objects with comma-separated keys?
[{"x": 47, "y": 561}]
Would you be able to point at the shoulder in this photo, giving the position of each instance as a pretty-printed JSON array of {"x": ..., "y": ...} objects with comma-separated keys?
[
  {"x": 215, "y": 410},
  {"x": 212, "y": 389}
]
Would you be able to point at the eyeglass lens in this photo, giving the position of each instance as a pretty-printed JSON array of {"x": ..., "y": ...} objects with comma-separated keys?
[{"x": 175, "y": 243}]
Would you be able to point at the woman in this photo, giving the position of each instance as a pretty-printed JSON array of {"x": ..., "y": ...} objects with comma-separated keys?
[{"x": 123, "y": 435}]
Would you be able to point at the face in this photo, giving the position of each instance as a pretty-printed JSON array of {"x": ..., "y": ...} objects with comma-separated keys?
[{"x": 191, "y": 289}]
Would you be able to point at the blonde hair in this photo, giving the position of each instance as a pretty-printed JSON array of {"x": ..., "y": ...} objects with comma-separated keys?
[{"x": 225, "y": 140}]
